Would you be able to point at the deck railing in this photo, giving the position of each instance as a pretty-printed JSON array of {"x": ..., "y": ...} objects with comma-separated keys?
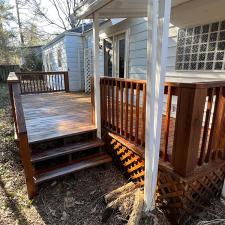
[
  {"x": 123, "y": 111},
  {"x": 193, "y": 121},
  {"x": 21, "y": 131},
  {"x": 43, "y": 82}
]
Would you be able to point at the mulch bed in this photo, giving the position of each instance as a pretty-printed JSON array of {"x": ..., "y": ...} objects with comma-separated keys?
[{"x": 77, "y": 199}]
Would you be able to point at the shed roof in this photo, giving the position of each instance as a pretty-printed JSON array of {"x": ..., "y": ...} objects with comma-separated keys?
[{"x": 75, "y": 31}]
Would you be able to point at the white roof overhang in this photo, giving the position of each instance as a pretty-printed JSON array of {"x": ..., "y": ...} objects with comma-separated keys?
[
  {"x": 116, "y": 8},
  {"x": 184, "y": 12}
]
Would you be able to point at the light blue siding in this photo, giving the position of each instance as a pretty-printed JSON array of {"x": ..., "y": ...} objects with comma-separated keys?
[{"x": 71, "y": 46}]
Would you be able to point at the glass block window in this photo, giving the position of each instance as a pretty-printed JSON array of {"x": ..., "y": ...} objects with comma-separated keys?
[{"x": 201, "y": 48}]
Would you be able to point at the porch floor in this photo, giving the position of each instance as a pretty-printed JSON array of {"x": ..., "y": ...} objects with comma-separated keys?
[{"x": 53, "y": 115}]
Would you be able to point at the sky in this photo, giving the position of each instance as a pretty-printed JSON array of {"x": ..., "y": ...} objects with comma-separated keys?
[{"x": 25, "y": 12}]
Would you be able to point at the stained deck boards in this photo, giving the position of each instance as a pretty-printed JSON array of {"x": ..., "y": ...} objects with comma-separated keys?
[{"x": 53, "y": 115}]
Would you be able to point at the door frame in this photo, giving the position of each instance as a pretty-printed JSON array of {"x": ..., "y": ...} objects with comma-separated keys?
[{"x": 115, "y": 39}]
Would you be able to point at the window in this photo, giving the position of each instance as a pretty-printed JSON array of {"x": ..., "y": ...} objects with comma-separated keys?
[
  {"x": 59, "y": 57},
  {"x": 201, "y": 48}
]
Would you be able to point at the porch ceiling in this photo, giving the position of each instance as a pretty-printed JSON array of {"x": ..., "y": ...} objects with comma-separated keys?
[{"x": 116, "y": 8}]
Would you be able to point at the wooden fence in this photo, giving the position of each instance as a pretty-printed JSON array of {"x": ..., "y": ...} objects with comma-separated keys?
[
  {"x": 43, "y": 82},
  {"x": 192, "y": 136},
  {"x": 6, "y": 69}
]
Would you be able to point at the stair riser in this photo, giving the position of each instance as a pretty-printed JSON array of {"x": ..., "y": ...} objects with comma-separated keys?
[{"x": 60, "y": 142}]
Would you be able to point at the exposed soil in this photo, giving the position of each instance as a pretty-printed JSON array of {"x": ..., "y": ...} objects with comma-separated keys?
[{"x": 77, "y": 199}]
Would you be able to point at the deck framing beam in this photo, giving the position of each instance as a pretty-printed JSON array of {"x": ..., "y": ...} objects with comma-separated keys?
[{"x": 157, "y": 46}]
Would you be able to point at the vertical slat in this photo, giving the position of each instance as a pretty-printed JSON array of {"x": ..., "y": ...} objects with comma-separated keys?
[
  {"x": 121, "y": 107},
  {"x": 206, "y": 128},
  {"x": 26, "y": 82},
  {"x": 126, "y": 109},
  {"x": 131, "y": 110},
  {"x": 117, "y": 107},
  {"x": 61, "y": 82},
  {"x": 137, "y": 112},
  {"x": 103, "y": 102},
  {"x": 102, "y": 99},
  {"x": 37, "y": 84},
  {"x": 167, "y": 123},
  {"x": 143, "y": 115},
  {"x": 109, "y": 101},
  {"x": 212, "y": 135},
  {"x": 106, "y": 103},
  {"x": 57, "y": 82},
  {"x": 34, "y": 83},
  {"x": 113, "y": 113},
  {"x": 66, "y": 82}
]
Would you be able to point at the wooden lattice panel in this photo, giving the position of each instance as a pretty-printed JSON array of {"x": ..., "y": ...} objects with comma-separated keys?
[
  {"x": 183, "y": 197},
  {"x": 132, "y": 163},
  {"x": 177, "y": 196},
  {"x": 88, "y": 69}
]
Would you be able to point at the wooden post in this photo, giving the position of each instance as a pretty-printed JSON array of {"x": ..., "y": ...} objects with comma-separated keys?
[
  {"x": 223, "y": 191},
  {"x": 26, "y": 161},
  {"x": 189, "y": 117},
  {"x": 157, "y": 46},
  {"x": 66, "y": 82},
  {"x": 96, "y": 73}
]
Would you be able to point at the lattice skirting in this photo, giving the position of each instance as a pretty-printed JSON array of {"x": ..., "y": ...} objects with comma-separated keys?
[{"x": 177, "y": 196}]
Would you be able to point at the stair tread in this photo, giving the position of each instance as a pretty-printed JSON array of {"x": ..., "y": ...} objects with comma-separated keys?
[
  {"x": 72, "y": 148},
  {"x": 83, "y": 163}
]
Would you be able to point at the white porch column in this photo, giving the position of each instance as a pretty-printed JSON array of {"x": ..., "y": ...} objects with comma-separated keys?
[
  {"x": 158, "y": 29},
  {"x": 96, "y": 73}
]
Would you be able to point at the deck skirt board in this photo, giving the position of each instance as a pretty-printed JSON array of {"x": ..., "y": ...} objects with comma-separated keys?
[
  {"x": 73, "y": 148},
  {"x": 53, "y": 115},
  {"x": 85, "y": 163}
]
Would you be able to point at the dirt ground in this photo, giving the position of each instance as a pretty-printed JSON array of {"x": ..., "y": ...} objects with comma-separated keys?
[{"x": 77, "y": 199}]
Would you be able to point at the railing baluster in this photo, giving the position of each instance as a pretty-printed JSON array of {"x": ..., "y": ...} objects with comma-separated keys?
[
  {"x": 167, "y": 123},
  {"x": 131, "y": 110},
  {"x": 113, "y": 119},
  {"x": 121, "y": 107},
  {"x": 117, "y": 107},
  {"x": 206, "y": 127},
  {"x": 109, "y": 109},
  {"x": 137, "y": 112},
  {"x": 143, "y": 115},
  {"x": 126, "y": 109},
  {"x": 210, "y": 152}
]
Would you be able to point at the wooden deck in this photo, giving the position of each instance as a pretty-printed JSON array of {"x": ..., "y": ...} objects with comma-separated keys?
[{"x": 53, "y": 115}]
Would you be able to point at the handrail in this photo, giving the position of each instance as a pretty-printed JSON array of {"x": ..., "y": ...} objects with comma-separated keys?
[
  {"x": 21, "y": 131},
  {"x": 43, "y": 82},
  {"x": 193, "y": 126}
]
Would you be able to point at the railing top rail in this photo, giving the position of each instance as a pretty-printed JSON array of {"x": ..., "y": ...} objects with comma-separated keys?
[
  {"x": 206, "y": 84},
  {"x": 41, "y": 73},
  {"x": 21, "y": 125},
  {"x": 12, "y": 78},
  {"x": 124, "y": 79}
]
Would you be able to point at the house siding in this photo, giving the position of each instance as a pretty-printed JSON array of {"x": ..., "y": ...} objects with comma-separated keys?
[
  {"x": 137, "y": 49},
  {"x": 74, "y": 52}
]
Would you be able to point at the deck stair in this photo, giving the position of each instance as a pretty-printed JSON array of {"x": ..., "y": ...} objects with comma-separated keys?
[
  {"x": 82, "y": 163},
  {"x": 71, "y": 154}
]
